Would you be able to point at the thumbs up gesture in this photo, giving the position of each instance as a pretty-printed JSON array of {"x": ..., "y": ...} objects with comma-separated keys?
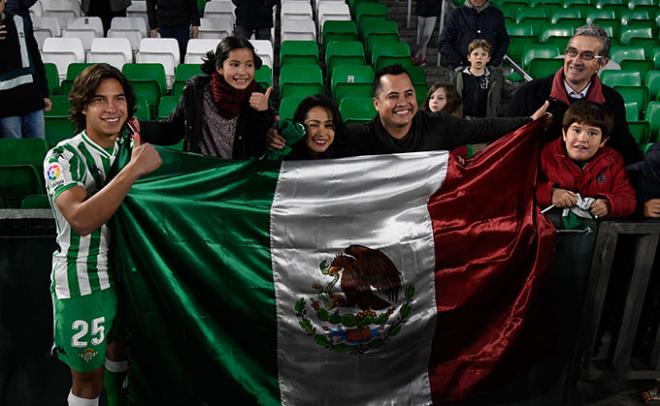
[
  {"x": 259, "y": 101},
  {"x": 144, "y": 157}
]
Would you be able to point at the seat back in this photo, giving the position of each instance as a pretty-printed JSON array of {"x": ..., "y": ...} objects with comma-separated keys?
[
  {"x": 197, "y": 49},
  {"x": 216, "y": 27},
  {"x": 300, "y": 80},
  {"x": 299, "y": 53},
  {"x": 264, "y": 49},
  {"x": 62, "y": 52},
  {"x": 338, "y": 31},
  {"x": 351, "y": 81},
  {"x": 621, "y": 78},
  {"x": 355, "y": 110}
]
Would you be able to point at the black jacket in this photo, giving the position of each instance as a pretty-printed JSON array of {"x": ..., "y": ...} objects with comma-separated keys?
[
  {"x": 645, "y": 176},
  {"x": 186, "y": 123},
  {"x": 172, "y": 12},
  {"x": 429, "y": 132},
  {"x": 254, "y": 13},
  {"x": 464, "y": 25},
  {"x": 28, "y": 97},
  {"x": 428, "y": 8},
  {"x": 533, "y": 94}
]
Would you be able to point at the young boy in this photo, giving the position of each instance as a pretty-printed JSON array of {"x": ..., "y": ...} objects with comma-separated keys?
[
  {"x": 482, "y": 88},
  {"x": 83, "y": 199},
  {"x": 581, "y": 163}
]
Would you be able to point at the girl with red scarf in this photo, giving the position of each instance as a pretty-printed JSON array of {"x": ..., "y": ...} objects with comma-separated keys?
[{"x": 222, "y": 113}]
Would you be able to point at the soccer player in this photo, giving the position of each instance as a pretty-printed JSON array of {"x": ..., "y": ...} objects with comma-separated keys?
[{"x": 83, "y": 199}]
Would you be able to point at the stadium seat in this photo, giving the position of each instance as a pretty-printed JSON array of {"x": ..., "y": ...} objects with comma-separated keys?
[
  {"x": 521, "y": 37},
  {"x": 652, "y": 82},
  {"x": 598, "y": 14},
  {"x": 634, "y": 15},
  {"x": 643, "y": 67},
  {"x": 36, "y": 10},
  {"x": 567, "y": 15},
  {"x": 627, "y": 34},
  {"x": 53, "y": 78},
  {"x": 86, "y": 24},
  {"x": 184, "y": 72},
  {"x": 214, "y": 9},
  {"x": 417, "y": 75},
  {"x": 264, "y": 49},
  {"x": 197, "y": 49},
  {"x": 653, "y": 117},
  {"x": 355, "y": 110},
  {"x": 130, "y": 24},
  {"x": 300, "y": 80},
  {"x": 114, "y": 51},
  {"x": 160, "y": 50},
  {"x": 218, "y": 27},
  {"x": 542, "y": 67},
  {"x": 544, "y": 3},
  {"x": 556, "y": 34},
  {"x": 143, "y": 111},
  {"x": 389, "y": 53},
  {"x": 39, "y": 201},
  {"x": 374, "y": 30},
  {"x": 264, "y": 76},
  {"x": 635, "y": 94},
  {"x": 532, "y": 15},
  {"x": 148, "y": 80},
  {"x": 622, "y": 53},
  {"x": 299, "y": 53},
  {"x": 21, "y": 163},
  {"x": 332, "y": 11},
  {"x": 62, "y": 52},
  {"x": 167, "y": 105},
  {"x": 64, "y": 10},
  {"x": 71, "y": 73},
  {"x": 344, "y": 53},
  {"x": 621, "y": 78},
  {"x": 138, "y": 9},
  {"x": 611, "y": 4},
  {"x": 303, "y": 29},
  {"x": 296, "y": 9},
  {"x": 369, "y": 9},
  {"x": 45, "y": 27},
  {"x": 539, "y": 51},
  {"x": 58, "y": 126},
  {"x": 640, "y": 131},
  {"x": 351, "y": 81},
  {"x": 338, "y": 31},
  {"x": 288, "y": 106},
  {"x": 632, "y": 111}
]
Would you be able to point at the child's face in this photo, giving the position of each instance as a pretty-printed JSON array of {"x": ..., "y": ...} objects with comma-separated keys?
[
  {"x": 438, "y": 100},
  {"x": 583, "y": 141},
  {"x": 478, "y": 58},
  {"x": 238, "y": 68}
]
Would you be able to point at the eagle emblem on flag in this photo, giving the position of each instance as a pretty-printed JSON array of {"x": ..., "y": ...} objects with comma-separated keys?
[{"x": 367, "y": 313}]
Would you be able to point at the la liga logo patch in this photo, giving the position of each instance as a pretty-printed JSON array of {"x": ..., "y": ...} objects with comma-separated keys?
[{"x": 54, "y": 171}]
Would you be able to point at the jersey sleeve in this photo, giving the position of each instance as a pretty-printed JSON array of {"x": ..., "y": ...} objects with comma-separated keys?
[{"x": 63, "y": 169}]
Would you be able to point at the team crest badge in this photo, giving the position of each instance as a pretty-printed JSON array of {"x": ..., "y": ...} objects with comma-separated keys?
[
  {"x": 87, "y": 354},
  {"x": 367, "y": 313}
]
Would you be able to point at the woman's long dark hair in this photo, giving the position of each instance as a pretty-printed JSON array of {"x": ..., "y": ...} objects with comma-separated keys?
[
  {"x": 454, "y": 104},
  {"x": 215, "y": 59},
  {"x": 300, "y": 150}
]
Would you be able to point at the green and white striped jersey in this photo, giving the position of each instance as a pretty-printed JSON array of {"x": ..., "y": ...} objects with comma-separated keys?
[{"x": 80, "y": 265}]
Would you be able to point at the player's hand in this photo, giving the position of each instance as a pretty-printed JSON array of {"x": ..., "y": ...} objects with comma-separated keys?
[
  {"x": 144, "y": 158},
  {"x": 3, "y": 31},
  {"x": 153, "y": 33},
  {"x": 652, "y": 208},
  {"x": 194, "y": 32},
  {"x": 47, "y": 104},
  {"x": 599, "y": 208},
  {"x": 563, "y": 198},
  {"x": 259, "y": 101}
]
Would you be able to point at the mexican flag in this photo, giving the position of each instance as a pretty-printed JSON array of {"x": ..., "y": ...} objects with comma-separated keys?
[{"x": 393, "y": 279}]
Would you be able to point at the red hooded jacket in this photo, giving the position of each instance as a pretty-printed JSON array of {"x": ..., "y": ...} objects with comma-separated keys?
[{"x": 604, "y": 176}]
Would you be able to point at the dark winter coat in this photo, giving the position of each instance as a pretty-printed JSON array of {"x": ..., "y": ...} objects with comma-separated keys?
[
  {"x": 645, "y": 175},
  {"x": 497, "y": 88},
  {"x": 254, "y": 13},
  {"x": 172, "y": 12},
  {"x": 428, "y": 8}
]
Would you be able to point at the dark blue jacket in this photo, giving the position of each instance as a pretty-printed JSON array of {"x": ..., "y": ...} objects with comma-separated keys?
[
  {"x": 645, "y": 176},
  {"x": 464, "y": 25}
]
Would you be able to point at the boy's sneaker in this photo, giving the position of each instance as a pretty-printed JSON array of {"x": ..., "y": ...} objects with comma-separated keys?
[{"x": 419, "y": 61}]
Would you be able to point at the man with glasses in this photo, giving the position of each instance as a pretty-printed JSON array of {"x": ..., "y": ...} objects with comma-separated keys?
[{"x": 587, "y": 52}]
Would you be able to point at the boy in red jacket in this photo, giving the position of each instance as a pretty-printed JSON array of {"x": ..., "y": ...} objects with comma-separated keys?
[{"x": 581, "y": 163}]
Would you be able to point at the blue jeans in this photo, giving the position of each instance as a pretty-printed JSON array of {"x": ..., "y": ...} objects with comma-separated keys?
[
  {"x": 246, "y": 32},
  {"x": 30, "y": 125},
  {"x": 181, "y": 33}
]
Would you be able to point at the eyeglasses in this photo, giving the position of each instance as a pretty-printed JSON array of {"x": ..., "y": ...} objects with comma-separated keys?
[{"x": 585, "y": 55}]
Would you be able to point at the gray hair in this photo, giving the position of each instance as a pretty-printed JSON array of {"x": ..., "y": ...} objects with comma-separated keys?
[{"x": 592, "y": 30}]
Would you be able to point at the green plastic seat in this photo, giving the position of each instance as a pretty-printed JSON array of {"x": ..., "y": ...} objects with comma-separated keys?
[
  {"x": 636, "y": 94},
  {"x": 417, "y": 75},
  {"x": 599, "y": 14},
  {"x": 532, "y": 15},
  {"x": 72, "y": 71},
  {"x": 39, "y": 201},
  {"x": 643, "y": 67},
  {"x": 183, "y": 72},
  {"x": 167, "y": 105},
  {"x": 300, "y": 80},
  {"x": 355, "y": 110},
  {"x": 351, "y": 81},
  {"x": 369, "y": 9},
  {"x": 632, "y": 111},
  {"x": 635, "y": 3},
  {"x": 522, "y": 29},
  {"x": 390, "y": 53},
  {"x": 264, "y": 76},
  {"x": 521, "y": 38},
  {"x": 373, "y": 30},
  {"x": 567, "y": 15},
  {"x": 57, "y": 124},
  {"x": 542, "y": 67},
  {"x": 653, "y": 117},
  {"x": 148, "y": 80},
  {"x": 572, "y": 3},
  {"x": 21, "y": 168},
  {"x": 60, "y": 106},
  {"x": 299, "y": 53},
  {"x": 627, "y": 34},
  {"x": 556, "y": 34},
  {"x": 619, "y": 5},
  {"x": 142, "y": 108},
  {"x": 539, "y": 51},
  {"x": 545, "y": 3},
  {"x": 352, "y": 5},
  {"x": 611, "y": 26},
  {"x": 334, "y": 30},
  {"x": 339, "y": 53},
  {"x": 633, "y": 15},
  {"x": 621, "y": 78},
  {"x": 53, "y": 78},
  {"x": 621, "y": 53},
  {"x": 652, "y": 82},
  {"x": 640, "y": 131},
  {"x": 288, "y": 106}
]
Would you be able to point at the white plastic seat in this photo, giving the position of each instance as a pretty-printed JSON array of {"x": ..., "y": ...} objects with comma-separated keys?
[
  {"x": 64, "y": 10},
  {"x": 36, "y": 10},
  {"x": 160, "y": 50},
  {"x": 217, "y": 27},
  {"x": 332, "y": 10},
  {"x": 316, "y": 3},
  {"x": 114, "y": 51},
  {"x": 45, "y": 27},
  {"x": 62, "y": 52},
  {"x": 214, "y": 9},
  {"x": 298, "y": 29},
  {"x": 138, "y": 8},
  {"x": 264, "y": 49},
  {"x": 129, "y": 24},
  {"x": 296, "y": 9},
  {"x": 197, "y": 48},
  {"x": 85, "y": 28},
  {"x": 134, "y": 37}
]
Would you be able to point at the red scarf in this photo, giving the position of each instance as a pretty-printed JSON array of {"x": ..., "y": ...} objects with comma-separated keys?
[
  {"x": 558, "y": 91},
  {"x": 229, "y": 100}
]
